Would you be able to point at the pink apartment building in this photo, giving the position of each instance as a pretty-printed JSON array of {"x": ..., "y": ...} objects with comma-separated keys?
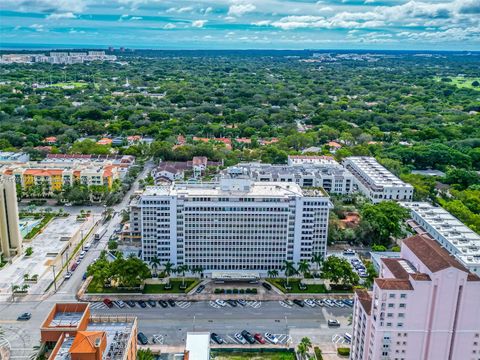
[{"x": 424, "y": 306}]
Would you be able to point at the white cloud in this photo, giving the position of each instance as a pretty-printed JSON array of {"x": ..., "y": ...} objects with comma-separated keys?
[
  {"x": 240, "y": 9},
  {"x": 169, "y": 26},
  {"x": 37, "y": 27},
  {"x": 262, "y": 23},
  {"x": 180, "y": 10},
  {"x": 208, "y": 10},
  {"x": 136, "y": 18},
  {"x": 57, "y": 16},
  {"x": 199, "y": 23}
]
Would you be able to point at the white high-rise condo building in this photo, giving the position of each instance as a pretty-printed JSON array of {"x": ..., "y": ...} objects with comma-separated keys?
[
  {"x": 233, "y": 225},
  {"x": 376, "y": 182},
  {"x": 457, "y": 238},
  {"x": 10, "y": 237}
]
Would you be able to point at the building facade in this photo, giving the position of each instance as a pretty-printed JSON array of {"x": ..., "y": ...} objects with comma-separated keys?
[
  {"x": 457, "y": 238},
  {"x": 329, "y": 175},
  {"x": 424, "y": 306},
  {"x": 376, "y": 182},
  {"x": 10, "y": 237},
  {"x": 233, "y": 225}
]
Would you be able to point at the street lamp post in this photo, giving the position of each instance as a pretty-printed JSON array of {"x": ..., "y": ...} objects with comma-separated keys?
[{"x": 194, "y": 317}]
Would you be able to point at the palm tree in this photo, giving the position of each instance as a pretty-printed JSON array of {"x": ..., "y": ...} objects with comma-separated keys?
[
  {"x": 317, "y": 259},
  {"x": 302, "y": 350},
  {"x": 182, "y": 269},
  {"x": 168, "y": 268},
  {"x": 155, "y": 263},
  {"x": 289, "y": 269},
  {"x": 273, "y": 273},
  {"x": 200, "y": 270},
  {"x": 304, "y": 267},
  {"x": 307, "y": 342}
]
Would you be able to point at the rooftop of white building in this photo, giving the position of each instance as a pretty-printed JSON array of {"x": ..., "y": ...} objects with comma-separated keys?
[
  {"x": 228, "y": 187},
  {"x": 377, "y": 174},
  {"x": 460, "y": 236}
]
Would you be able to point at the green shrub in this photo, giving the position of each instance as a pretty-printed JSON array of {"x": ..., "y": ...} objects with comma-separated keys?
[
  {"x": 343, "y": 351},
  {"x": 318, "y": 353},
  {"x": 29, "y": 251}
]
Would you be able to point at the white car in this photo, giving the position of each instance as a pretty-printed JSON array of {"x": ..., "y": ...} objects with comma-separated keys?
[
  {"x": 310, "y": 302},
  {"x": 68, "y": 275},
  {"x": 288, "y": 302},
  {"x": 319, "y": 302},
  {"x": 120, "y": 304},
  {"x": 240, "y": 338},
  {"x": 271, "y": 338},
  {"x": 87, "y": 246},
  {"x": 220, "y": 303},
  {"x": 82, "y": 255}
]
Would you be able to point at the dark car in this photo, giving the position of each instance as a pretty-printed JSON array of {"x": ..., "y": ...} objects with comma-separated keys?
[
  {"x": 333, "y": 323},
  {"x": 248, "y": 337},
  {"x": 232, "y": 303},
  {"x": 299, "y": 302},
  {"x": 84, "y": 277},
  {"x": 142, "y": 303},
  {"x": 130, "y": 303},
  {"x": 73, "y": 267},
  {"x": 24, "y": 317},
  {"x": 200, "y": 289},
  {"x": 267, "y": 286},
  {"x": 108, "y": 302},
  {"x": 142, "y": 339},
  {"x": 171, "y": 302},
  {"x": 163, "y": 303},
  {"x": 152, "y": 303},
  {"x": 216, "y": 338}
]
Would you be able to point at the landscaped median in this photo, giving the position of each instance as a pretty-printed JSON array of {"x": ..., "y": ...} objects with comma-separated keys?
[
  {"x": 295, "y": 287},
  {"x": 253, "y": 354},
  {"x": 174, "y": 286}
]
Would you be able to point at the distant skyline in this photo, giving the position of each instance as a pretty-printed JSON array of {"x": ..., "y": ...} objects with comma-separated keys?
[{"x": 242, "y": 24}]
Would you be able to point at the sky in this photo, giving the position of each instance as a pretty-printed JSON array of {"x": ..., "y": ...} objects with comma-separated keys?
[{"x": 243, "y": 24}]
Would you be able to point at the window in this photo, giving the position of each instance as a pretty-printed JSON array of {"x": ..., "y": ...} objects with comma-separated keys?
[
  {"x": 403, "y": 296},
  {"x": 391, "y": 296}
]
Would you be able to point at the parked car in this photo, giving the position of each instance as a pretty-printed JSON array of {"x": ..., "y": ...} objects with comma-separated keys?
[
  {"x": 259, "y": 338},
  {"x": 200, "y": 289},
  {"x": 242, "y": 302},
  {"x": 68, "y": 275},
  {"x": 319, "y": 302},
  {"x": 333, "y": 323},
  {"x": 267, "y": 286},
  {"x": 108, "y": 302},
  {"x": 84, "y": 277},
  {"x": 87, "y": 246},
  {"x": 142, "y": 304},
  {"x": 310, "y": 302},
  {"x": 271, "y": 338},
  {"x": 240, "y": 338},
  {"x": 288, "y": 302},
  {"x": 248, "y": 337},
  {"x": 339, "y": 303},
  {"x": 120, "y": 304},
  {"x": 130, "y": 303},
  {"x": 163, "y": 303},
  {"x": 24, "y": 317},
  {"x": 348, "y": 302},
  {"x": 152, "y": 303},
  {"x": 171, "y": 302},
  {"x": 232, "y": 303},
  {"x": 82, "y": 255},
  {"x": 217, "y": 338},
  {"x": 220, "y": 302},
  {"x": 73, "y": 267},
  {"x": 142, "y": 339},
  {"x": 299, "y": 302}
]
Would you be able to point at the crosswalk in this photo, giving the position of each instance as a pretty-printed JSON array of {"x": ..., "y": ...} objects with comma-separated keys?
[
  {"x": 98, "y": 306},
  {"x": 183, "y": 304},
  {"x": 254, "y": 304}
]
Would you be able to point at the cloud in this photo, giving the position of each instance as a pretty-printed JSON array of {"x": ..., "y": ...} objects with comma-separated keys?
[
  {"x": 180, "y": 10},
  {"x": 60, "y": 6},
  {"x": 37, "y": 27},
  {"x": 262, "y": 23},
  {"x": 169, "y": 26},
  {"x": 240, "y": 9},
  {"x": 208, "y": 10},
  {"x": 136, "y": 18},
  {"x": 199, "y": 23},
  {"x": 57, "y": 16}
]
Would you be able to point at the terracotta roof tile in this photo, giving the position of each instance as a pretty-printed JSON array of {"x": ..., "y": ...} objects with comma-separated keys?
[
  {"x": 473, "y": 277},
  {"x": 432, "y": 254},
  {"x": 421, "y": 277},
  {"x": 84, "y": 342},
  {"x": 395, "y": 268},
  {"x": 394, "y": 284},
  {"x": 365, "y": 299}
]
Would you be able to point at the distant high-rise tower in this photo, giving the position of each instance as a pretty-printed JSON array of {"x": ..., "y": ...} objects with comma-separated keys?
[{"x": 10, "y": 237}]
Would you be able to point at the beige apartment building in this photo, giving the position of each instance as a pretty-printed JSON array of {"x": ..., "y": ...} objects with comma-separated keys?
[{"x": 10, "y": 238}]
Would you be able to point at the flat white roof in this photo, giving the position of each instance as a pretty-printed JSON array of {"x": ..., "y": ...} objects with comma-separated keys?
[
  {"x": 376, "y": 173},
  {"x": 198, "y": 345},
  {"x": 460, "y": 236}
]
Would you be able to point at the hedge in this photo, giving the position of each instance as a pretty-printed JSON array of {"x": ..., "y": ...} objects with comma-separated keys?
[
  {"x": 318, "y": 353},
  {"x": 343, "y": 351}
]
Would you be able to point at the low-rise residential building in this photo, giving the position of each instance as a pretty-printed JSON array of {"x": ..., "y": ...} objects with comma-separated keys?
[
  {"x": 376, "y": 182},
  {"x": 424, "y": 306},
  {"x": 438, "y": 224},
  {"x": 9, "y": 157},
  {"x": 71, "y": 332},
  {"x": 310, "y": 160},
  {"x": 10, "y": 237},
  {"x": 327, "y": 174},
  {"x": 168, "y": 171},
  {"x": 231, "y": 225}
]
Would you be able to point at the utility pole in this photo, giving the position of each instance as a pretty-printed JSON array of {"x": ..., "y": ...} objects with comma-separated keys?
[{"x": 54, "y": 277}]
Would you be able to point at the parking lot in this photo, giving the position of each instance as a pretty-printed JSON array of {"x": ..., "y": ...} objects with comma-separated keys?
[{"x": 288, "y": 322}]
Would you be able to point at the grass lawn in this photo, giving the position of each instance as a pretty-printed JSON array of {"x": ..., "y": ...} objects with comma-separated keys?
[
  {"x": 461, "y": 82},
  {"x": 70, "y": 83},
  {"x": 311, "y": 289},
  {"x": 257, "y": 355}
]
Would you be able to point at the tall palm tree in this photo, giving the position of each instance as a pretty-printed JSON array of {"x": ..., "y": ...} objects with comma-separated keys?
[
  {"x": 302, "y": 350},
  {"x": 273, "y": 273},
  {"x": 304, "y": 267},
  {"x": 168, "y": 268},
  {"x": 182, "y": 269},
  {"x": 317, "y": 259},
  {"x": 289, "y": 269},
  {"x": 307, "y": 342},
  {"x": 155, "y": 263}
]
